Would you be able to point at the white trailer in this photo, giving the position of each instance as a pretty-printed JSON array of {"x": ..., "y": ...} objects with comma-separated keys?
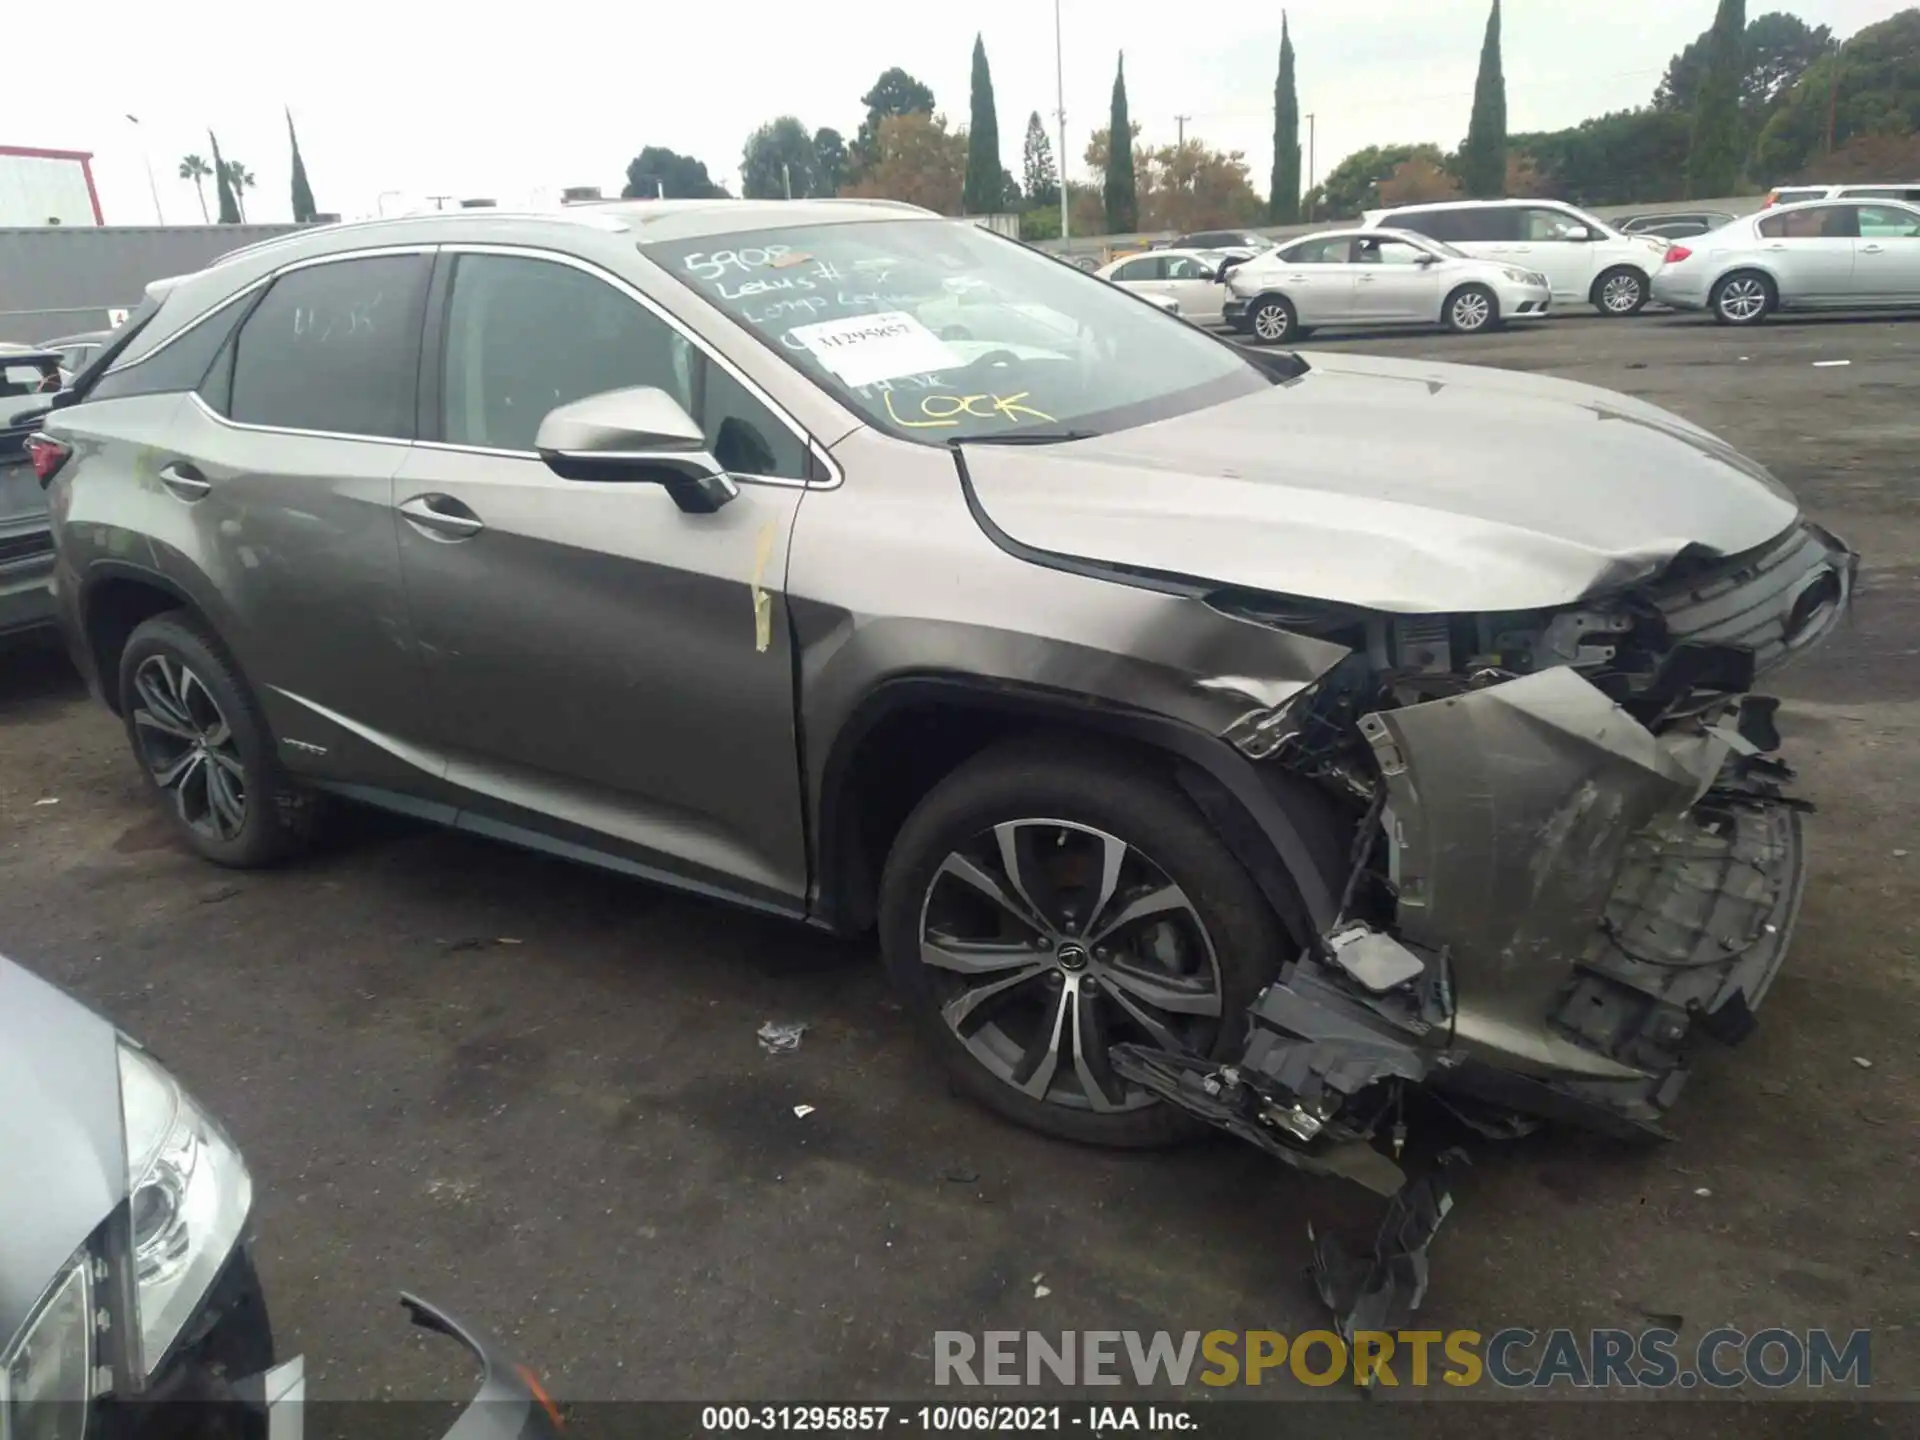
[{"x": 47, "y": 187}]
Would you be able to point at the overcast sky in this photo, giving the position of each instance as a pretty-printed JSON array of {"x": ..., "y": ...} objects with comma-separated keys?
[{"x": 517, "y": 101}]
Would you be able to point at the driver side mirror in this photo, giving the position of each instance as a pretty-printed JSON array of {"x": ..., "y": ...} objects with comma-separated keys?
[
  {"x": 1426, "y": 259},
  {"x": 1582, "y": 233},
  {"x": 640, "y": 435}
]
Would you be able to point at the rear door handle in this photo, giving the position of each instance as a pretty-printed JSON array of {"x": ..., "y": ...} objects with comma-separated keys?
[
  {"x": 1869, "y": 249},
  {"x": 1776, "y": 246},
  {"x": 184, "y": 481},
  {"x": 441, "y": 516}
]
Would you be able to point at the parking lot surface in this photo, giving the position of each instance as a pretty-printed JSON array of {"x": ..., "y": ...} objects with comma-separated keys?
[{"x": 533, "y": 1092}]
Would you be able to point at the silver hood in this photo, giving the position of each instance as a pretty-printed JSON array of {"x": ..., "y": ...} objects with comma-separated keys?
[
  {"x": 1396, "y": 485},
  {"x": 65, "y": 1165}
]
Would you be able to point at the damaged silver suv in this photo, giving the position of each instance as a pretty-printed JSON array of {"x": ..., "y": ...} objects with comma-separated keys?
[{"x": 1209, "y": 735}]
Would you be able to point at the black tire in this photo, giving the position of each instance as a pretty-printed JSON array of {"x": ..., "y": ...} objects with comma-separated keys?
[
  {"x": 1745, "y": 297},
  {"x": 1471, "y": 310},
  {"x": 1243, "y": 942},
  {"x": 1272, "y": 320},
  {"x": 1620, "y": 292},
  {"x": 276, "y": 817}
]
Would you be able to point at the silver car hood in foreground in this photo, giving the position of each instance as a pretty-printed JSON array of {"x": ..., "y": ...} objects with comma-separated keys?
[
  {"x": 64, "y": 1165},
  {"x": 1398, "y": 485}
]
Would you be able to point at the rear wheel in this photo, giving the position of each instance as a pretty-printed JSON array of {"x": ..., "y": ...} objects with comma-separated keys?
[
  {"x": 1272, "y": 319},
  {"x": 1620, "y": 292},
  {"x": 1745, "y": 297},
  {"x": 1470, "y": 309},
  {"x": 1045, "y": 903},
  {"x": 205, "y": 748}
]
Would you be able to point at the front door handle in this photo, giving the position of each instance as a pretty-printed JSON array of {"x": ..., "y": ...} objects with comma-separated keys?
[
  {"x": 442, "y": 517},
  {"x": 183, "y": 481},
  {"x": 1869, "y": 249}
]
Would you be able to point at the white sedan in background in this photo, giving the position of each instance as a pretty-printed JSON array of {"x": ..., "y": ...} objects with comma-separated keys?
[
  {"x": 1189, "y": 279},
  {"x": 1377, "y": 277},
  {"x": 1823, "y": 255}
]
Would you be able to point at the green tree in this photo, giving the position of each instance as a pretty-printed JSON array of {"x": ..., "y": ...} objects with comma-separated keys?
[
  {"x": 778, "y": 162},
  {"x": 1354, "y": 184},
  {"x": 1283, "y": 198},
  {"x": 303, "y": 207},
  {"x": 894, "y": 93},
  {"x": 223, "y": 185},
  {"x": 193, "y": 168},
  {"x": 669, "y": 175},
  {"x": 1624, "y": 158},
  {"x": 1870, "y": 86},
  {"x": 1041, "y": 175},
  {"x": 920, "y": 162},
  {"x": 829, "y": 161},
  {"x": 1779, "y": 49},
  {"x": 986, "y": 191},
  {"x": 1716, "y": 149},
  {"x": 1120, "y": 194},
  {"x": 1483, "y": 156},
  {"x": 241, "y": 179}
]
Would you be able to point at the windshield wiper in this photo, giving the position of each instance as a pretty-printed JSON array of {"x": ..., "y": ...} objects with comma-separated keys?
[{"x": 1026, "y": 437}]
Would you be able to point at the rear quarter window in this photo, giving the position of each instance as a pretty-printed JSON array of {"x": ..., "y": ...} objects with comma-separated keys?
[
  {"x": 335, "y": 347},
  {"x": 178, "y": 364}
]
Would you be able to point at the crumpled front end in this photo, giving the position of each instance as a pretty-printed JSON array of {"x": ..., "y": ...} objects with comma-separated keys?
[{"x": 1574, "y": 859}]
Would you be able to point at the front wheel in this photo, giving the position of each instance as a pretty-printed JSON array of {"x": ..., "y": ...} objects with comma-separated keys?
[
  {"x": 1471, "y": 309},
  {"x": 1045, "y": 903},
  {"x": 1272, "y": 320},
  {"x": 1743, "y": 298},
  {"x": 1620, "y": 293}
]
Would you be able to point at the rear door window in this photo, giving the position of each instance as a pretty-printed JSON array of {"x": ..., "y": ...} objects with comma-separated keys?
[
  {"x": 1321, "y": 250},
  {"x": 335, "y": 348},
  {"x": 178, "y": 364},
  {"x": 1881, "y": 221},
  {"x": 1147, "y": 267}
]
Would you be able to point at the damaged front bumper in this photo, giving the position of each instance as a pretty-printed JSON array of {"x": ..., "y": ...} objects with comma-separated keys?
[{"x": 1577, "y": 902}]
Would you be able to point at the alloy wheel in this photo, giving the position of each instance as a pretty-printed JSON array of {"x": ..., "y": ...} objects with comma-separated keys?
[
  {"x": 188, "y": 747},
  {"x": 1621, "y": 294},
  {"x": 1743, "y": 298},
  {"x": 1471, "y": 311},
  {"x": 1270, "y": 323},
  {"x": 1048, "y": 942}
]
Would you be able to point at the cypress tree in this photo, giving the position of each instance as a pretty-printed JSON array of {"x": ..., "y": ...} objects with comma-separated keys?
[
  {"x": 303, "y": 207},
  {"x": 1122, "y": 199},
  {"x": 1283, "y": 204},
  {"x": 1483, "y": 158},
  {"x": 985, "y": 192},
  {"x": 223, "y": 186},
  {"x": 1714, "y": 154}
]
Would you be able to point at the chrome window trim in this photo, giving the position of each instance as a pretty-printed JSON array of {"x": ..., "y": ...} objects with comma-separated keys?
[
  {"x": 835, "y": 475},
  {"x": 120, "y": 366},
  {"x": 232, "y": 424}
]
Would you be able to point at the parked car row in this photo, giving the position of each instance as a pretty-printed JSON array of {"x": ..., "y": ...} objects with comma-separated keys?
[{"x": 1475, "y": 265}]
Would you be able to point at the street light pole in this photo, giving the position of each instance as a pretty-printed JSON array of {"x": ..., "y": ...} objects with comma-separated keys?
[
  {"x": 147, "y": 159},
  {"x": 1060, "y": 100},
  {"x": 1309, "y": 167}
]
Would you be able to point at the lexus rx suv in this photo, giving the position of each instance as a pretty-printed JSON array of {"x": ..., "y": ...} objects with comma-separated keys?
[{"x": 1209, "y": 734}]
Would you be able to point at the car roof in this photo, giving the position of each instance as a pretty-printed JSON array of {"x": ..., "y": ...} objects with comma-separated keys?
[
  {"x": 1470, "y": 205},
  {"x": 1823, "y": 201}
]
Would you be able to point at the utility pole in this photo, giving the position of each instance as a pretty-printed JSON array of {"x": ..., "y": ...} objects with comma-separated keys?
[
  {"x": 786, "y": 178},
  {"x": 1309, "y": 166},
  {"x": 154, "y": 190},
  {"x": 1833, "y": 98},
  {"x": 1060, "y": 99},
  {"x": 1181, "y": 121}
]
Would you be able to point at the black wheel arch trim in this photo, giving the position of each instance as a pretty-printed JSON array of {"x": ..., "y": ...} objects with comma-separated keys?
[
  {"x": 1239, "y": 801},
  {"x": 99, "y": 573}
]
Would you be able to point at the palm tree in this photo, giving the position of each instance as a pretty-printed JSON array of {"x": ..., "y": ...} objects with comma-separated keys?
[
  {"x": 198, "y": 171},
  {"x": 241, "y": 179}
]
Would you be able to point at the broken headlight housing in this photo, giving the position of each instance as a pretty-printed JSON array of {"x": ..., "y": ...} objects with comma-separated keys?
[
  {"x": 188, "y": 1199},
  {"x": 46, "y": 1370}
]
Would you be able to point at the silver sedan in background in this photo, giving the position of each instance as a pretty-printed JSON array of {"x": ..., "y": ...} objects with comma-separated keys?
[
  {"x": 1377, "y": 277},
  {"x": 1187, "y": 282},
  {"x": 1823, "y": 255}
]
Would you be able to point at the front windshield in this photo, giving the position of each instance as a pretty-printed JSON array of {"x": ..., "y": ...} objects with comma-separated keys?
[
  {"x": 940, "y": 330},
  {"x": 1441, "y": 247}
]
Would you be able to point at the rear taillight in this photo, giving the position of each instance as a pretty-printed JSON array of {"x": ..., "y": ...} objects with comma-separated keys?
[
  {"x": 1772, "y": 199},
  {"x": 47, "y": 454},
  {"x": 1677, "y": 253}
]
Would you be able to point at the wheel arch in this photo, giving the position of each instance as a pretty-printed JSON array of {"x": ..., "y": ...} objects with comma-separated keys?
[
  {"x": 115, "y": 599},
  {"x": 1291, "y": 837}
]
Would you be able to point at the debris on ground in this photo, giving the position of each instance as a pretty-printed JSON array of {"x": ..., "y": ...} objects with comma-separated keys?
[
  {"x": 1828, "y": 364},
  {"x": 1863, "y": 1062},
  {"x": 1703, "y": 1192},
  {"x": 781, "y": 1037},
  {"x": 1381, "y": 1291},
  {"x": 50, "y": 800},
  {"x": 802, "y": 1111},
  {"x": 960, "y": 1174},
  {"x": 1040, "y": 1292},
  {"x": 218, "y": 894},
  {"x": 1667, "y": 1319}
]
